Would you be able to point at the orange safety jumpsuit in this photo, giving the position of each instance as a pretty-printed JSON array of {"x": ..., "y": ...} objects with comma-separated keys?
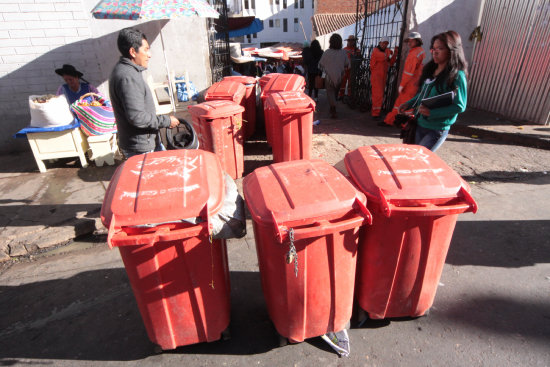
[
  {"x": 350, "y": 51},
  {"x": 409, "y": 80},
  {"x": 380, "y": 62}
]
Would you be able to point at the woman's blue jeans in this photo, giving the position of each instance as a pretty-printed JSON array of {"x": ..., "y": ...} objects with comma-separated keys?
[{"x": 430, "y": 138}]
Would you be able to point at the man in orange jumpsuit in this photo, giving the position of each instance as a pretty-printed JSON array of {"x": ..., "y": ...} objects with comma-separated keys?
[
  {"x": 411, "y": 73},
  {"x": 380, "y": 62},
  {"x": 351, "y": 50}
]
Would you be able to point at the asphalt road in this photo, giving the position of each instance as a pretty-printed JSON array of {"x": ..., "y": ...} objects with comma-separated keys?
[{"x": 74, "y": 306}]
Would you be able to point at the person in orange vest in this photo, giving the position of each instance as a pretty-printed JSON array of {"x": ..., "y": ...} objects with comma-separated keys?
[
  {"x": 351, "y": 50},
  {"x": 380, "y": 62},
  {"x": 411, "y": 73}
]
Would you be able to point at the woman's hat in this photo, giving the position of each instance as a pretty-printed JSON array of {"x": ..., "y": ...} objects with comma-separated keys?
[
  {"x": 68, "y": 70},
  {"x": 414, "y": 35},
  {"x": 384, "y": 39}
]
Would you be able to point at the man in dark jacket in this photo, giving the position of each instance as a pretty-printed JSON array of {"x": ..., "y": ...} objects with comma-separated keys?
[{"x": 137, "y": 122}]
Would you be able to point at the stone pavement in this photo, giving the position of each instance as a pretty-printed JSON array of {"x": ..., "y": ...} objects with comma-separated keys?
[{"x": 40, "y": 211}]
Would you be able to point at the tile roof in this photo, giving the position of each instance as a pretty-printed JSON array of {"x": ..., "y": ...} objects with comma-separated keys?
[{"x": 328, "y": 23}]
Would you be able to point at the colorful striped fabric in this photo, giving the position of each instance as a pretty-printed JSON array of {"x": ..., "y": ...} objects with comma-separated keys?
[{"x": 95, "y": 120}]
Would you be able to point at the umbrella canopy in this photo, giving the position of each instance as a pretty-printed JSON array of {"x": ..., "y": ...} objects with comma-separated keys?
[{"x": 153, "y": 9}]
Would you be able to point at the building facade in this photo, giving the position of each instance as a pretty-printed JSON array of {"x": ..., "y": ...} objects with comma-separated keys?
[{"x": 283, "y": 20}]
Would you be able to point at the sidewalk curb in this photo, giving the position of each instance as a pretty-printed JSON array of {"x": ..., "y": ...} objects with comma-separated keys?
[{"x": 511, "y": 138}]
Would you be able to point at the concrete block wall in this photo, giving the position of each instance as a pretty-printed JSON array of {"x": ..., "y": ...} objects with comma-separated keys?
[{"x": 39, "y": 36}]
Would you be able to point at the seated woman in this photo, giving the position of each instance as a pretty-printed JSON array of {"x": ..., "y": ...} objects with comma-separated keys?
[{"x": 75, "y": 86}]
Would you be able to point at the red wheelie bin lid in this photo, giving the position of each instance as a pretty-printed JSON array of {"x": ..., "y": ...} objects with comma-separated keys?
[
  {"x": 226, "y": 90},
  {"x": 215, "y": 109},
  {"x": 161, "y": 187},
  {"x": 401, "y": 177},
  {"x": 290, "y": 102},
  {"x": 300, "y": 192},
  {"x": 265, "y": 79},
  {"x": 284, "y": 83},
  {"x": 243, "y": 79}
]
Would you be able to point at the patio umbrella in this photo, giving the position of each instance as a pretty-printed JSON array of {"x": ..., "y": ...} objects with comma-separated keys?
[{"x": 154, "y": 9}]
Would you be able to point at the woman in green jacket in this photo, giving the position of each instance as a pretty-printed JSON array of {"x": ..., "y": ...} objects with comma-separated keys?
[{"x": 444, "y": 73}]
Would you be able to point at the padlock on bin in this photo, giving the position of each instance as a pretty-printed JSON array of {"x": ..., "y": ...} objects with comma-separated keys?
[
  {"x": 415, "y": 199},
  {"x": 158, "y": 208},
  {"x": 289, "y": 125},
  {"x": 218, "y": 125},
  {"x": 306, "y": 219}
]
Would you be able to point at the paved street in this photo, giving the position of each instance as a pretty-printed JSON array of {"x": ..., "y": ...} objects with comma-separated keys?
[{"x": 72, "y": 305}]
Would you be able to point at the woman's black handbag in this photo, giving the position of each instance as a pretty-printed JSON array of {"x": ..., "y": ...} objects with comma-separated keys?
[{"x": 408, "y": 127}]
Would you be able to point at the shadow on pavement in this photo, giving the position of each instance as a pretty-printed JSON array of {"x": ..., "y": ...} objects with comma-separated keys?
[
  {"x": 514, "y": 244},
  {"x": 500, "y": 315},
  {"x": 93, "y": 316},
  {"x": 533, "y": 178}
]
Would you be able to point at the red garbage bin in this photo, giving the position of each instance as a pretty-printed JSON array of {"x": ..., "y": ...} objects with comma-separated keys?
[
  {"x": 415, "y": 199},
  {"x": 218, "y": 125},
  {"x": 306, "y": 218},
  {"x": 280, "y": 83},
  {"x": 289, "y": 125},
  {"x": 179, "y": 277},
  {"x": 283, "y": 83},
  {"x": 230, "y": 90},
  {"x": 249, "y": 116}
]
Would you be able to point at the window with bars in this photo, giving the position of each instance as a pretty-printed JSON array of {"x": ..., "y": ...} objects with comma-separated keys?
[
  {"x": 271, "y": 23},
  {"x": 277, "y": 23},
  {"x": 253, "y": 4},
  {"x": 295, "y": 4},
  {"x": 301, "y": 4},
  {"x": 284, "y": 4},
  {"x": 246, "y": 4},
  {"x": 255, "y": 35},
  {"x": 312, "y": 4},
  {"x": 285, "y": 25},
  {"x": 296, "y": 25}
]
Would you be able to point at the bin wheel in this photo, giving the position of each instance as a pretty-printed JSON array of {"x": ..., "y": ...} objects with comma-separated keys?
[
  {"x": 362, "y": 317},
  {"x": 226, "y": 334},
  {"x": 157, "y": 349},
  {"x": 282, "y": 340}
]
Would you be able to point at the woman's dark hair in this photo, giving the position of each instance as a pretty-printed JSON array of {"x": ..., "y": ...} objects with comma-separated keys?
[
  {"x": 335, "y": 42},
  {"x": 457, "y": 62},
  {"x": 316, "y": 50},
  {"x": 129, "y": 38}
]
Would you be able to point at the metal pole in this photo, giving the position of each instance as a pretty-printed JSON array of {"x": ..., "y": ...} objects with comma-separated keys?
[{"x": 170, "y": 91}]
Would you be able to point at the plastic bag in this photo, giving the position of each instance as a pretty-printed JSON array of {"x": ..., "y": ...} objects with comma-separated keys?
[
  {"x": 54, "y": 111},
  {"x": 339, "y": 342},
  {"x": 230, "y": 221}
]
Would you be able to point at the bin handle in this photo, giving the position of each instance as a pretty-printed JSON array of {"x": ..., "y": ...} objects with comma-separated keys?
[
  {"x": 324, "y": 227},
  {"x": 117, "y": 237},
  {"x": 121, "y": 238},
  {"x": 430, "y": 209}
]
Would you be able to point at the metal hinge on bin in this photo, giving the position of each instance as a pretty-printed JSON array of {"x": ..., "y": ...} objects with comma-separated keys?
[{"x": 292, "y": 255}]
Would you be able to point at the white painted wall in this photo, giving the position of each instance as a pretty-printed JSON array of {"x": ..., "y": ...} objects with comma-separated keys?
[
  {"x": 276, "y": 12},
  {"x": 38, "y": 36},
  {"x": 436, "y": 16}
]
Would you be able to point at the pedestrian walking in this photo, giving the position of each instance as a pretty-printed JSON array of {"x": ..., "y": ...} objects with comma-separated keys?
[
  {"x": 352, "y": 51},
  {"x": 334, "y": 62},
  {"x": 446, "y": 72},
  {"x": 137, "y": 122},
  {"x": 380, "y": 62},
  {"x": 311, "y": 59},
  {"x": 411, "y": 74}
]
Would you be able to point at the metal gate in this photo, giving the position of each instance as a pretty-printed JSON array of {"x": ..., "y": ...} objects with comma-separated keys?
[
  {"x": 220, "y": 60},
  {"x": 510, "y": 73},
  {"x": 376, "y": 19}
]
